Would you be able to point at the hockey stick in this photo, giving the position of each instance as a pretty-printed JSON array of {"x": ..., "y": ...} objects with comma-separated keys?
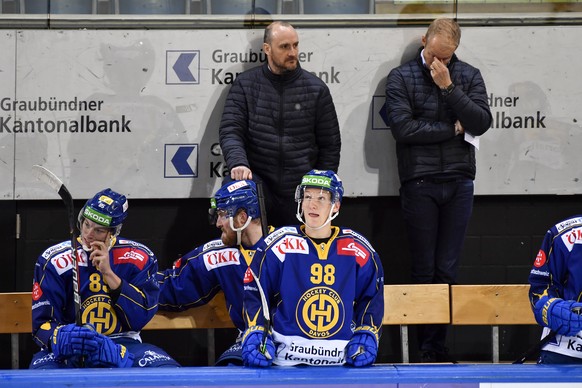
[
  {"x": 263, "y": 209},
  {"x": 536, "y": 348},
  {"x": 264, "y": 302},
  {"x": 266, "y": 315},
  {"x": 46, "y": 176}
]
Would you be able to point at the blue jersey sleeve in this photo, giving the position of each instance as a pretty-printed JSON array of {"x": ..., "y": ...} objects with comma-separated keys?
[
  {"x": 369, "y": 301},
  {"x": 188, "y": 284},
  {"x": 51, "y": 294},
  {"x": 128, "y": 308},
  {"x": 137, "y": 301},
  {"x": 545, "y": 275},
  {"x": 555, "y": 271}
]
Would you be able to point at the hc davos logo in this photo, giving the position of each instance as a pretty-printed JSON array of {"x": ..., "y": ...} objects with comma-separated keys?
[
  {"x": 320, "y": 312},
  {"x": 182, "y": 67},
  {"x": 180, "y": 160}
]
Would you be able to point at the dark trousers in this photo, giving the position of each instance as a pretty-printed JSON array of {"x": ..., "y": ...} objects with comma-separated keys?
[
  {"x": 436, "y": 215},
  {"x": 281, "y": 208},
  {"x": 547, "y": 357}
]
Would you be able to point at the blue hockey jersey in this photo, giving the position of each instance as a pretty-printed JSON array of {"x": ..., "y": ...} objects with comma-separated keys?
[
  {"x": 318, "y": 294},
  {"x": 557, "y": 273},
  {"x": 121, "y": 313},
  {"x": 200, "y": 274}
]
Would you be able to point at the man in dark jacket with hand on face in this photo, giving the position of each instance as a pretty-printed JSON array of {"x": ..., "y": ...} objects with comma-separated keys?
[{"x": 436, "y": 106}]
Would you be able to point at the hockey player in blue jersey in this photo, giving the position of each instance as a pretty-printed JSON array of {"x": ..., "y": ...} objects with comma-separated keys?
[
  {"x": 219, "y": 264},
  {"x": 555, "y": 288},
  {"x": 321, "y": 284},
  {"x": 118, "y": 295}
]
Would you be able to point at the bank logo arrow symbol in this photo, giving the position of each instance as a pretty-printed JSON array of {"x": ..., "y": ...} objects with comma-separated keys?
[
  {"x": 379, "y": 114},
  {"x": 384, "y": 114},
  {"x": 181, "y": 161},
  {"x": 182, "y": 67}
]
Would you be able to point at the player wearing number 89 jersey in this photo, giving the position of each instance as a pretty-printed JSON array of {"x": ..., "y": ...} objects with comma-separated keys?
[
  {"x": 323, "y": 284},
  {"x": 118, "y": 292}
]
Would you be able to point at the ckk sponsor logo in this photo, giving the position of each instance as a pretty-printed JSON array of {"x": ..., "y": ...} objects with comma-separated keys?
[
  {"x": 349, "y": 247},
  {"x": 572, "y": 237},
  {"x": 133, "y": 256},
  {"x": 290, "y": 244},
  {"x": 64, "y": 262},
  {"x": 540, "y": 259},
  {"x": 221, "y": 258}
]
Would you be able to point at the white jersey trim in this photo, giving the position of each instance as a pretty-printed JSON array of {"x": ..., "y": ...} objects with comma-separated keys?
[
  {"x": 568, "y": 346},
  {"x": 295, "y": 350}
]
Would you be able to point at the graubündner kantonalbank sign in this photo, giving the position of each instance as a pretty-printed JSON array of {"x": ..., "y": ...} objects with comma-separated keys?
[{"x": 140, "y": 110}]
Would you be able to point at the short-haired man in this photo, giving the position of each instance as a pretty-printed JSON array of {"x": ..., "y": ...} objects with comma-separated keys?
[
  {"x": 219, "y": 264},
  {"x": 436, "y": 104},
  {"x": 279, "y": 121}
]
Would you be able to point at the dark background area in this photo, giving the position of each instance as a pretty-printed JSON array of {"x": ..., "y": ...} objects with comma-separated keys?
[{"x": 504, "y": 236}]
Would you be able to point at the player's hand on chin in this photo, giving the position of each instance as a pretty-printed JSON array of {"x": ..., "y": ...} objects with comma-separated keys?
[{"x": 99, "y": 256}]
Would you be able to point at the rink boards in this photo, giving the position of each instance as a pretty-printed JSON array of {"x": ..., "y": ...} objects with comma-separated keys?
[{"x": 385, "y": 376}]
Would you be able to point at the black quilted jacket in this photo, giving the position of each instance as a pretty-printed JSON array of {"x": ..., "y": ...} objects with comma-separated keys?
[
  {"x": 280, "y": 126},
  {"x": 422, "y": 119}
]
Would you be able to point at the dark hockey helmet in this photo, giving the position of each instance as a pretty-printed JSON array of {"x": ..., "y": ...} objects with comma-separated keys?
[
  {"x": 106, "y": 208},
  {"x": 233, "y": 196},
  {"x": 321, "y": 179}
]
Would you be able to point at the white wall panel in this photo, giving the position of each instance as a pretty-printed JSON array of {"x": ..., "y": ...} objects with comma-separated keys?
[
  {"x": 155, "y": 98},
  {"x": 7, "y": 48}
]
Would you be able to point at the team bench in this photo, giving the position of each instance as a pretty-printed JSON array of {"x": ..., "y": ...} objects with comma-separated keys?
[{"x": 405, "y": 304}]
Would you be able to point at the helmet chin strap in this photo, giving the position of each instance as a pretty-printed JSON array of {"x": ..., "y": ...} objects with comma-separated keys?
[
  {"x": 300, "y": 217},
  {"x": 239, "y": 230}
]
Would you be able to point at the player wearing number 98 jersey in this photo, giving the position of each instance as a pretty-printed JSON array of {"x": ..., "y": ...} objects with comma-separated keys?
[{"x": 323, "y": 284}]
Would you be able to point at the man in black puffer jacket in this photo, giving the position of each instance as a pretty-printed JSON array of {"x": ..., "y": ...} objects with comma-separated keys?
[
  {"x": 436, "y": 105},
  {"x": 279, "y": 122}
]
